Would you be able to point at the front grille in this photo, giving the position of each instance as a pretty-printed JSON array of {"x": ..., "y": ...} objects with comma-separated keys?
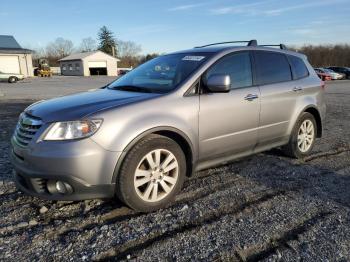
[{"x": 26, "y": 129}]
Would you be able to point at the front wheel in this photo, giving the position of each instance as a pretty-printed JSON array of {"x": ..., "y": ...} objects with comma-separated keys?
[
  {"x": 303, "y": 137},
  {"x": 152, "y": 174},
  {"x": 12, "y": 79}
]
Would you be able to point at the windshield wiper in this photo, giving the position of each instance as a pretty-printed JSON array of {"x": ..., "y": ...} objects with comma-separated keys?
[{"x": 132, "y": 89}]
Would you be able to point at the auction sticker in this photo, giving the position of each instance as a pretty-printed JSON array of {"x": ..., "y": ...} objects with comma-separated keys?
[{"x": 193, "y": 58}]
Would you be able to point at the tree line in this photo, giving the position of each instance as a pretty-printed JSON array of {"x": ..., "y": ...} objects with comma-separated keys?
[
  {"x": 130, "y": 52},
  {"x": 127, "y": 51},
  {"x": 327, "y": 55}
]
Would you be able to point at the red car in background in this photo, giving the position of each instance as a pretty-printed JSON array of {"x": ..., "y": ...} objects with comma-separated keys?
[{"x": 323, "y": 76}]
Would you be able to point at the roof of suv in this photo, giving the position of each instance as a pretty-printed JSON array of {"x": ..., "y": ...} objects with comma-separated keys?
[{"x": 217, "y": 48}]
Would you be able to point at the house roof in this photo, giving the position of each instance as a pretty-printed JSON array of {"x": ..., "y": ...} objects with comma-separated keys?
[
  {"x": 81, "y": 56},
  {"x": 8, "y": 44}
]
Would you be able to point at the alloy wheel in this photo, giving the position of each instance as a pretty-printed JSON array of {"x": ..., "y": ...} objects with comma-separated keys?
[
  {"x": 306, "y": 135},
  {"x": 156, "y": 175}
]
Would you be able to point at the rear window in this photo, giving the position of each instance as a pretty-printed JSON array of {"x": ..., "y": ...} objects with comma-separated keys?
[
  {"x": 299, "y": 68},
  {"x": 272, "y": 68}
]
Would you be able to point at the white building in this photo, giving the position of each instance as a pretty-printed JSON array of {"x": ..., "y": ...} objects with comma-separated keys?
[
  {"x": 14, "y": 58},
  {"x": 88, "y": 64}
]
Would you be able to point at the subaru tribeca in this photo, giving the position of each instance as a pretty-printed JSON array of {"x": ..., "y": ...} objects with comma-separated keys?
[{"x": 141, "y": 136}]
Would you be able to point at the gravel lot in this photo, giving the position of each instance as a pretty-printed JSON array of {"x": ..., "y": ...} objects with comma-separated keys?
[{"x": 264, "y": 207}]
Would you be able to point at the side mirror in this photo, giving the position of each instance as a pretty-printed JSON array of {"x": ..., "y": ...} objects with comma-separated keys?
[{"x": 219, "y": 83}]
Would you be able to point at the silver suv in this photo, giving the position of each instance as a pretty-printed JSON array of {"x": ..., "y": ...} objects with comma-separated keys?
[{"x": 141, "y": 136}]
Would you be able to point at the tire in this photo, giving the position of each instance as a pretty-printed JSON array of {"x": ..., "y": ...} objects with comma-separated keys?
[
  {"x": 146, "y": 196},
  {"x": 12, "y": 79},
  {"x": 294, "y": 148}
]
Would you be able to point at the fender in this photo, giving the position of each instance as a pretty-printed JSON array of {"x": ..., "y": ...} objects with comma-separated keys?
[
  {"x": 144, "y": 134},
  {"x": 317, "y": 118}
]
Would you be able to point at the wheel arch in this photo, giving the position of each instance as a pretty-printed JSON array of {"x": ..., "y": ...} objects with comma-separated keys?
[{"x": 173, "y": 133}]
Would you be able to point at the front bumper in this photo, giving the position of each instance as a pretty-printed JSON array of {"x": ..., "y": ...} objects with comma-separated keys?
[
  {"x": 83, "y": 164},
  {"x": 37, "y": 186}
]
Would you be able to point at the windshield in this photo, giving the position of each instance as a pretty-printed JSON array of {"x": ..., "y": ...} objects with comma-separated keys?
[{"x": 160, "y": 75}]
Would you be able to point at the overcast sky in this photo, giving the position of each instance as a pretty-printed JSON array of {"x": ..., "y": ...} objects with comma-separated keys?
[{"x": 164, "y": 26}]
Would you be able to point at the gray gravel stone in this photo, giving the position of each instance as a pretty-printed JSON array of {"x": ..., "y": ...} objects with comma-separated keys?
[{"x": 43, "y": 210}]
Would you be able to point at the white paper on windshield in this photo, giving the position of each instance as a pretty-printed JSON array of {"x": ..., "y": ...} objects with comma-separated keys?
[{"x": 193, "y": 58}]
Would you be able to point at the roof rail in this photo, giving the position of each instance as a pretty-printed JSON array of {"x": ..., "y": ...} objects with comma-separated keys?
[
  {"x": 250, "y": 43},
  {"x": 281, "y": 46}
]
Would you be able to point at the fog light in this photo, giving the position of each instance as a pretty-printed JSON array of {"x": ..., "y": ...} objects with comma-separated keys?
[
  {"x": 64, "y": 187},
  {"x": 59, "y": 187}
]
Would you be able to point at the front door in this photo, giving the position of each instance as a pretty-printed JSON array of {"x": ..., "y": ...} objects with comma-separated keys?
[{"x": 228, "y": 122}]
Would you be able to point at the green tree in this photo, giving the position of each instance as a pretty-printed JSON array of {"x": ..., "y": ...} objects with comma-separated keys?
[{"x": 107, "y": 41}]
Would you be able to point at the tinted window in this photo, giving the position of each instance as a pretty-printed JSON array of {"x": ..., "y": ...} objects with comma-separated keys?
[
  {"x": 299, "y": 67},
  {"x": 237, "y": 66},
  {"x": 272, "y": 68}
]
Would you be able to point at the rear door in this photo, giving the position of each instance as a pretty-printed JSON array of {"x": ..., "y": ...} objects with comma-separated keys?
[
  {"x": 278, "y": 95},
  {"x": 228, "y": 122}
]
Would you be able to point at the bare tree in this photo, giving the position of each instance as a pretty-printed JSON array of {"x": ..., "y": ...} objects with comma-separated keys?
[
  {"x": 59, "y": 48},
  {"x": 148, "y": 57},
  {"x": 128, "y": 48},
  {"x": 129, "y": 53},
  {"x": 327, "y": 55},
  {"x": 88, "y": 44}
]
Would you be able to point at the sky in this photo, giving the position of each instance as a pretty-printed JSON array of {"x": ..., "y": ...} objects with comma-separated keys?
[{"x": 164, "y": 26}]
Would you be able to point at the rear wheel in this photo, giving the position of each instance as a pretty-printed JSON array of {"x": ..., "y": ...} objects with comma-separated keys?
[
  {"x": 303, "y": 137},
  {"x": 12, "y": 79},
  {"x": 152, "y": 174}
]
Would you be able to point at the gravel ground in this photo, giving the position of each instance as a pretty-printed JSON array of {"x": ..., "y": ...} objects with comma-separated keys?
[{"x": 265, "y": 207}]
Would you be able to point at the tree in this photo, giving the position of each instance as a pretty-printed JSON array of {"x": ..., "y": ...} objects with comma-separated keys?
[
  {"x": 129, "y": 53},
  {"x": 107, "y": 42},
  {"x": 327, "y": 55},
  {"x": 148, "y": 57},
  {"x": 128, "y": 49},
  {"x": 59, "y": 48},
  {"x": 88, "y": 44}
]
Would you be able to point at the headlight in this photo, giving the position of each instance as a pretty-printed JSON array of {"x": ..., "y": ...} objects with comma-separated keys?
[{"x": 72, "y": 129}]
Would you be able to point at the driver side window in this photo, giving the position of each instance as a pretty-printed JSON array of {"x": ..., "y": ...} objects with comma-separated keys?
[{"x": 237, "y": 66}]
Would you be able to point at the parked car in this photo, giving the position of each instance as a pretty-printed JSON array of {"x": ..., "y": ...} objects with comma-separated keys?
[
  {"x": 10, "y": 77},
  {"x": 333, "y": 75},
  {"x": 342, "y": 70},
  {"x": 323, "y": 75},
  {"x": 122, "y": 72},
  {"x": 141, "y": 136}
]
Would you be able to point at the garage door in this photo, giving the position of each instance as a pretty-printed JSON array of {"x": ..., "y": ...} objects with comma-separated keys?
[
  {"x": 9, "y": 64},
  {"x": 97, "y": 64}
]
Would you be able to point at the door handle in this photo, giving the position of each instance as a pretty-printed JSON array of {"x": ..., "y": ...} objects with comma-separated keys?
[
  {"x": 251, "y": 97},
  {"x": 297, "y": 88}
]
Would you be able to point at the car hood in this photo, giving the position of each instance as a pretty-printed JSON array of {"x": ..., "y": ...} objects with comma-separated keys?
[{"x": 78, "y": 106}]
